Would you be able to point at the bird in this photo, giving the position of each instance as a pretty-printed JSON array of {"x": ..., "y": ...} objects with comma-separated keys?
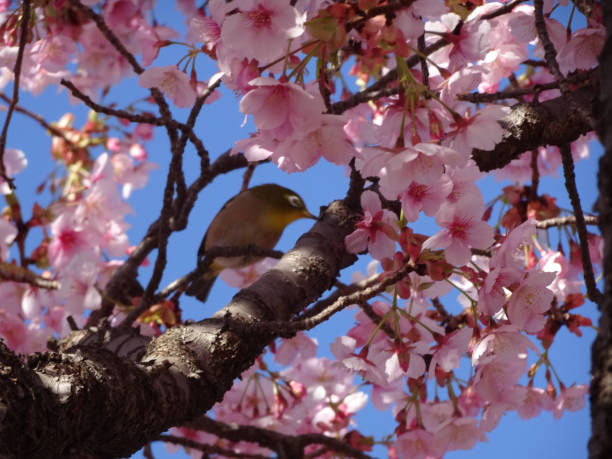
[{"x": 256, "y": 217}]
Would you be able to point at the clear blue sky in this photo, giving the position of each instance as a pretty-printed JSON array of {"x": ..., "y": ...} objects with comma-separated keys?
[{"x": 219, "y": 127}]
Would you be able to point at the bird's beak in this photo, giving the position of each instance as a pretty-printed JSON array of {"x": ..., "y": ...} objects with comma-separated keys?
[{"x": 307, "y": 214}]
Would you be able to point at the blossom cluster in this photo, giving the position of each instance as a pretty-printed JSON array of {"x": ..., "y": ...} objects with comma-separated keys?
[
  {"x": 410, "y": 138},
  {"x": 84, "y": 231}
]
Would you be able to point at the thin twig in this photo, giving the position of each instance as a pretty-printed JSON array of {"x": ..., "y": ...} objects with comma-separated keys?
[
  {"x": 23, "y": 34},
  {"x": 380, "y": 87},
  {"x": 206, "y": 448},
  {"x": 290, "y": 328},
  {"x": 271, "y": 439},
  {"x": 550, "y": 55},
  {"x": 377, "y": 319},
  {"x": 246, "y": 177},
  {"x": 570, "y": 185},
  {"x": 18, "y": 274},
  {"x": 516, "y": 93},
  {"x": 563, "y": 221},
  {"x": 40, "y": 120},
  {"x": 507, "y": 8},
  {"x": 147, "y": 451}
]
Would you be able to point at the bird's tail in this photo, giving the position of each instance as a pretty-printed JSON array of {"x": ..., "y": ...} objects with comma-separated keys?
[{"x": 200, "y": 288}]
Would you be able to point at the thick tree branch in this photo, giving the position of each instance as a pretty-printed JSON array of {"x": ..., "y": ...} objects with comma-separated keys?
[
  {"x": 600, "y": 443},
  {"x": 530, "y": 126},
  {"x": 175, "y": 378}
]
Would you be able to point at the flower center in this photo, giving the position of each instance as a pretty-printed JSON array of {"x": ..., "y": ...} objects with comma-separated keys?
[{"x": 260, "y": 17}]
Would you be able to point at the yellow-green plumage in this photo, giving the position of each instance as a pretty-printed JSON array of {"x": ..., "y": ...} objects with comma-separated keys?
[{"x": 254, "y": 217}]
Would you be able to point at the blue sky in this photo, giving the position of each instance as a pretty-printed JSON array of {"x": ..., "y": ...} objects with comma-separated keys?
[{"x": 219, "y": 126}]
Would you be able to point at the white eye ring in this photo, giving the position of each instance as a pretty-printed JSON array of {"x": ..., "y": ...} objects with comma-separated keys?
[{"x": 295, "y": 201}]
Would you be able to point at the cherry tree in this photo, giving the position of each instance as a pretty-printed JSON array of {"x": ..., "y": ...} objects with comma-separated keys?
[{"x": 417, "y": 100}]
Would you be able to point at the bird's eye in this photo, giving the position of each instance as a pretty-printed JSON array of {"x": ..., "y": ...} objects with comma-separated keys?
[{"x": 295, "y": 202}]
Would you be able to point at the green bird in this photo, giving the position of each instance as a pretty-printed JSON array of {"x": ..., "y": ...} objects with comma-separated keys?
[{"x": 255, "y": 217}]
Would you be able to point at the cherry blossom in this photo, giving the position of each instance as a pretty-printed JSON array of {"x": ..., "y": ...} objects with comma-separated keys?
[
  {"x": 7, "y": 236},
  {"x": 409, "y": 132},
  {"x": 463, "y": 229},
  {"x": 570, "y": 399},
  {"x": 374, "y": 230},
  {"x": 261, "y": 29},
  {"x": 172, "y": 82},
  {"x": 14, "y": 162},
  {"x": 529, "y": 301},
  {"x": 283, "y": 109}
]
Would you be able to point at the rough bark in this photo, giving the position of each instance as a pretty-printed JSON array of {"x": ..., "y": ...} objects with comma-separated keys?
[
  {"x": 105, "y": 394},
  {"x": 600, "y": 444},
  {"x": 528, "y": 126}
]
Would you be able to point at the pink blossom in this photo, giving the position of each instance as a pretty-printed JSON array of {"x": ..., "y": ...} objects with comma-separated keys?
[
  {"x": 374, "y": 229},
  {"x": 464, "y": 229},
  {"x": 11, "y": 293},
  {"x": 570, "y": 399},
  {"x": 243, "y": 277},
  {"x": 69, "y": 238},
  {"x": 298, "y": 153},
  {"x": 14, "y": 331},
  {"x": 417, "y": 444},
  {"x": 557, "y": 34},
  {"x": 503, "y": 344},
  {"x": 510, "y": 398},
  {"x": 145, "y": 132},
  {"x": 53, "y": 53},
  {"x": 493, "y": 380},
  {"x": 300, "y": 345},
  {"x": 565, "y": 280},
  {"x": 8, "y": 232},
  {"x": 481, "y": 130},
  {"x": 464, "y": 80},
  {"x": 284, "y": 109},
  {"x": 114, "y": 240},
  {"x": 424, "y": 197},
  {"x": 422, "y": 287},
  {"x": 536, "y": 400},
  {"x": 470, "y": 402},
  {"x": 398, "y": 359},
  {"x": 469, "y": 45},
  {"x": 529, "y": 302},
  {"x": 582, "y": 50},
  {"x": 14, "y": 162},
  {"x": 337, "y": 415},
  {"x": 511, "y": 253},
  {"x": 261, "y": 29},
  {"x": 138, "y": 152},
  {"x": 172, "y": 82},
  {"x": 132, "y": 175},
  {"x": 102, "y": 201},
  {"x": 436, "y": 414},
  {"x": 203, "y": 29},
  {"x": 343, "y": 349},
  {"x": 423, "y": 163},
  {"x": 100, "y": 62},
  {"x": 492, "y": 294},
  {"x": 78, "y": 288},
  {"x": 464, "y": 183},
  {"x": 459, "y": 433},
  {"x": 237, "y": 74},
  {"x": 449, "y": 352},
  {"x": 321, "y": 376}
]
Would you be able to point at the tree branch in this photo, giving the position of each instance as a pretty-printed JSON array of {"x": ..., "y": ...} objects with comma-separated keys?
[
  {"x": 529, "y": 126},
  {"x": 23, "y": 35}
]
